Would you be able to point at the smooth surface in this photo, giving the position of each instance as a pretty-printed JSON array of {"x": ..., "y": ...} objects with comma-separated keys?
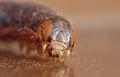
[{"x": 97, "y": 49}]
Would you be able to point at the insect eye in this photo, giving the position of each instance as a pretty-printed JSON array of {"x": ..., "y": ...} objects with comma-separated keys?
[{"x": 57, "y": 55}]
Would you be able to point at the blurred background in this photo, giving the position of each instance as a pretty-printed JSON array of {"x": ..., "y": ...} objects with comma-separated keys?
[{"x": 97, "y": 50}]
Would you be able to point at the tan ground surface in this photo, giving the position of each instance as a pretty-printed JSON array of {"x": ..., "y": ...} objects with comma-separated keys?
[{"x": 97, "y": 50}]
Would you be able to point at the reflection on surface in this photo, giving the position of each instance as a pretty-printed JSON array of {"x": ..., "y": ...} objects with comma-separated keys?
[
  {"x": 14, "y": 67},
  {"x": 62, "y": 71}
]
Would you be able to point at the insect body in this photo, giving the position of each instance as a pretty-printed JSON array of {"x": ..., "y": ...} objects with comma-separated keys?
[{"x": 36, "y": 27}]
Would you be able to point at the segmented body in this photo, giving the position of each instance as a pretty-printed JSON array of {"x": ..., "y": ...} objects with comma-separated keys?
[{"x": 34, "y": 26}]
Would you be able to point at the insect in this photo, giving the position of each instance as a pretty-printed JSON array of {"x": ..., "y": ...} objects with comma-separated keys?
[{"x": 36, "y": 28}]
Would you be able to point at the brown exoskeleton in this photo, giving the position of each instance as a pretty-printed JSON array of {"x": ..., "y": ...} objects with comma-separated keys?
[{"x": 36, "y": 27}]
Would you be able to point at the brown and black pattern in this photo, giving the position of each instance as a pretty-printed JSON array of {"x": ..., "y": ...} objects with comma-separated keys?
[{"x": 35, "y": 26}]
